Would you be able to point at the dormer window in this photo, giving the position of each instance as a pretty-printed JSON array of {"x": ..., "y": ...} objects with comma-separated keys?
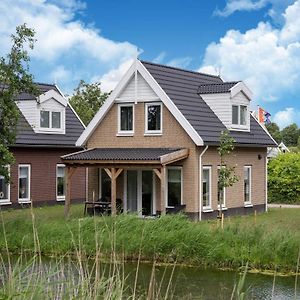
[
  {"x": 50, "y": 119},
  {"x": 239, "y": 115}
]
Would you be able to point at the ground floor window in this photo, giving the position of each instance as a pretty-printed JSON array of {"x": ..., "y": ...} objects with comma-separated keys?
[
  {"x": 174, "y": 186},
  {"x": 24, "y": 183},
  {"x": 4, "y": 190},
  {"x": 104, "y": 185},
  {"x": 60, "y": 182},
  {"x": 206, "y": 187},
  {"x": 247, "y": 184},
  {"x": 221, "y": 192}
]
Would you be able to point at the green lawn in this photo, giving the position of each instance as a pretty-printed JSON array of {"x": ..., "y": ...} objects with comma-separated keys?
[{"x": 269, "y": 241}]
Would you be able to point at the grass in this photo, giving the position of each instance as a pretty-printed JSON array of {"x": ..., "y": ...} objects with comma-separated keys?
[{"x": 269, "y": 241}]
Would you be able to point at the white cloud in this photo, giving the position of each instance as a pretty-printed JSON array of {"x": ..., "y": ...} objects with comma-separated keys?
[
  {"x": 63, "y": 40},
  {"x": 267, "y": 58},
  {"x": 180, "y": 62},
  {"x": 286, "y": 117},
  {"x": 160, "y": 57}
]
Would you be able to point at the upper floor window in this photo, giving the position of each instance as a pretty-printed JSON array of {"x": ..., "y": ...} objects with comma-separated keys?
[
  {"x": 239, "y": 115},
  {"x": 153, "y": 118},
  {"x": 50, "y": 119},
  {"x": 126, "y": 118}
]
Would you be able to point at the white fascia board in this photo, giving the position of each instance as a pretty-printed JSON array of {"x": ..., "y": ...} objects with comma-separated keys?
[
  {"x": 73, "y": 110},
  {"x": 170, "y": 105},
  {"x": 52, "y": 94},
  {"x": 241, "y": 87},
  {"x": 105, "y": 107}
]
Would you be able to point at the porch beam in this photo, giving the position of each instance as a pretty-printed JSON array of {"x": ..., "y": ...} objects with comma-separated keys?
[
  {"x": 174, "y": 156},
  {"x": 108, "y": 172},
  {"x": 69, "y": 171},
  {"x": 158, "y": 173},
  {"x": 118, "y": 172}
]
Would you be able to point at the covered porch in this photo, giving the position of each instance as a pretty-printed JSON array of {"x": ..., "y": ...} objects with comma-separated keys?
[{"x": 135, "y": 178}]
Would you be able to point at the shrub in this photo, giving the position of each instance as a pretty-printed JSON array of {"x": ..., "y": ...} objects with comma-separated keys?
[{"x": 284, "y": 178}]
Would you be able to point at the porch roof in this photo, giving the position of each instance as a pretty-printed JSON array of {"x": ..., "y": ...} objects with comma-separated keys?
[{"x": 127, "y": 155}]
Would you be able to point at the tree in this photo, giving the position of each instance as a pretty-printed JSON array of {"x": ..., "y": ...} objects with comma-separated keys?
[
  {"x": 290, "y": 135},
  {"x": 14, "y": 79},
  {"x": 274, "y": 130},
  {"x": 87, "y": 100},
  {"x": 227, "y": 175}
]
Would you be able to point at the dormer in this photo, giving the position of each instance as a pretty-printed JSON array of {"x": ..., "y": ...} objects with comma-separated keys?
[
  {"x": 46, "y": 114},
  {"x": 230, "y": 101}
]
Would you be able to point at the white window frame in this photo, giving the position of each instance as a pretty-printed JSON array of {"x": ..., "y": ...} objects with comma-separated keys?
[
  {"x": 60, "y": 198},
  {"x": 7, "y": 200},
  {"x": 239, "y": 125},
  {"x": 167, "y": 185},
  {"x": 153, "y": 132},
  {"x": 224, "y": 193},
  {"x": 125, "y": 132},
  {"x": 207, "y": 208},
  {"x": 248, "y": 203},
  {"x": 24, "y": 200},
  {"x": 50, "y": 129}
]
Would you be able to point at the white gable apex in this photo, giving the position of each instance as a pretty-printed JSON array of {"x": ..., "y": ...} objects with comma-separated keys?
[
  {"x": 52, "y": 94},
  {"x": 137, "y": 89}
]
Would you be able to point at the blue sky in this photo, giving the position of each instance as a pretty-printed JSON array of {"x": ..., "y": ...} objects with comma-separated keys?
[{"x": 257, "y": 41}]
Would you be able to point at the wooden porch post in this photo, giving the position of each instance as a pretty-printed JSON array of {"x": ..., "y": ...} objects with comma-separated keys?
[
  {"x": 163, "y": 190},
  {"x": 69, "y": 171}
]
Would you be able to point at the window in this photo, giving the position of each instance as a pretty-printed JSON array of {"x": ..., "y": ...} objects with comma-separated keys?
[
  {"x": 239, "y": 115},
  {"x": 24, "y": 183},
  {"x": 60, "y": 182},
  {"x": 206, "y": 187},
  {"x": 221, "y": 193},
  {"x": 126, "y": 118},
  {"x": 174, "y": 187},
  {"x": 153, "y": 118},
  {"x": 247, "y": 185},
  {"x": 105, "y": 185},
  {"x": 4, "y": 191},
  {"x": 50, "y": 119}
]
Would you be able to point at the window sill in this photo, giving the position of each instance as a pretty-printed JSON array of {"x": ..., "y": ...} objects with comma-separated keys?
[
  {"x": 125, "y": 134},
  {"x": 248, "y": 205},
  {"x": 60, "y": 199},
  {"x": 152, "y": 134},
  {"x": 223, "y": 208},
  {"x": 207, "y": 210},
  {"x": 6, "y": 202},
  {"x": 21, "y": 201}
]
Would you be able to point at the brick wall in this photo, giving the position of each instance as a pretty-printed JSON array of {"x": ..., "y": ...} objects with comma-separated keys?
[{"x": 43, "y": 163}]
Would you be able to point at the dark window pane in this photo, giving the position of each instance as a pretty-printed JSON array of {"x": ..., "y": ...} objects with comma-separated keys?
[
  {"x": 221, "y": 198},
  {"x": 56, "y": 119},
  {"x": 3, "y": 189},
  {"x": 126, "y": 118},
  {"x": 105, "y": 185},
  {"x": 45, "y": 121},
  {"x": 174, "y": 187},
  {"x": 235, "y": 114},
  {"x": 154, "y": 112},
  {"x": 206, "y": 187},
  {"x": 60, "y": 181},
  {"x": 23, "y": 182},
  {"x": 247, "y": 184}
]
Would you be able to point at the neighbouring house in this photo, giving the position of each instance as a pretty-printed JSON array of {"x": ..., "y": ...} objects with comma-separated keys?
[
  {"x": 47, "y": 129},
  {"x": 275, "y": 151},
  {"x": 153, "y": 145}
]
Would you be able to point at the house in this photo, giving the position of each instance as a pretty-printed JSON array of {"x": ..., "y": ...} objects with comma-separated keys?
[
  {"x": 153, "y": 145},
  {"x": 48, "y": 128},
  {"x": 275, "y": 151}
]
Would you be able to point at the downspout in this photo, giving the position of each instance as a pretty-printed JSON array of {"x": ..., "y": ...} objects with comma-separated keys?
[
  {"x": 200, "y": 181},
  {"x": 266, "y": 183}
]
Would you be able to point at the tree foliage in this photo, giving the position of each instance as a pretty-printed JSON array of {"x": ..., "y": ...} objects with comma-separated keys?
[
  {"x": 87, "y": 100},
  {"x": 274, "y": 130},
  {"x": 284, "y": 178},
  {"x": 227, "y": 175},
  {"x": 14, "y": 79}
]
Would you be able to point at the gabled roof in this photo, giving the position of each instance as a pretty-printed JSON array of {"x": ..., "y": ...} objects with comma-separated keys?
[
  {"x": 178, "y": 89},
  {"x": 27, "y": 137},
  {"x": 182, "y": 87}
]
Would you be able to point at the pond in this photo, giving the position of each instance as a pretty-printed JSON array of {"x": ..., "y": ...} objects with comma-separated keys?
[{"x": 181, "y": 282}]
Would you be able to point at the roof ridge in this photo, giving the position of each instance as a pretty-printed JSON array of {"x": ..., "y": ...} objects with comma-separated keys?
[{"x": 180, "y": 69}]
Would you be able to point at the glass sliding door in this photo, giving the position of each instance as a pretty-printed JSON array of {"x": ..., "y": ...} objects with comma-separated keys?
[
  {"x": 147, "y": 192},
  {"x": 132, "y": 190}
]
